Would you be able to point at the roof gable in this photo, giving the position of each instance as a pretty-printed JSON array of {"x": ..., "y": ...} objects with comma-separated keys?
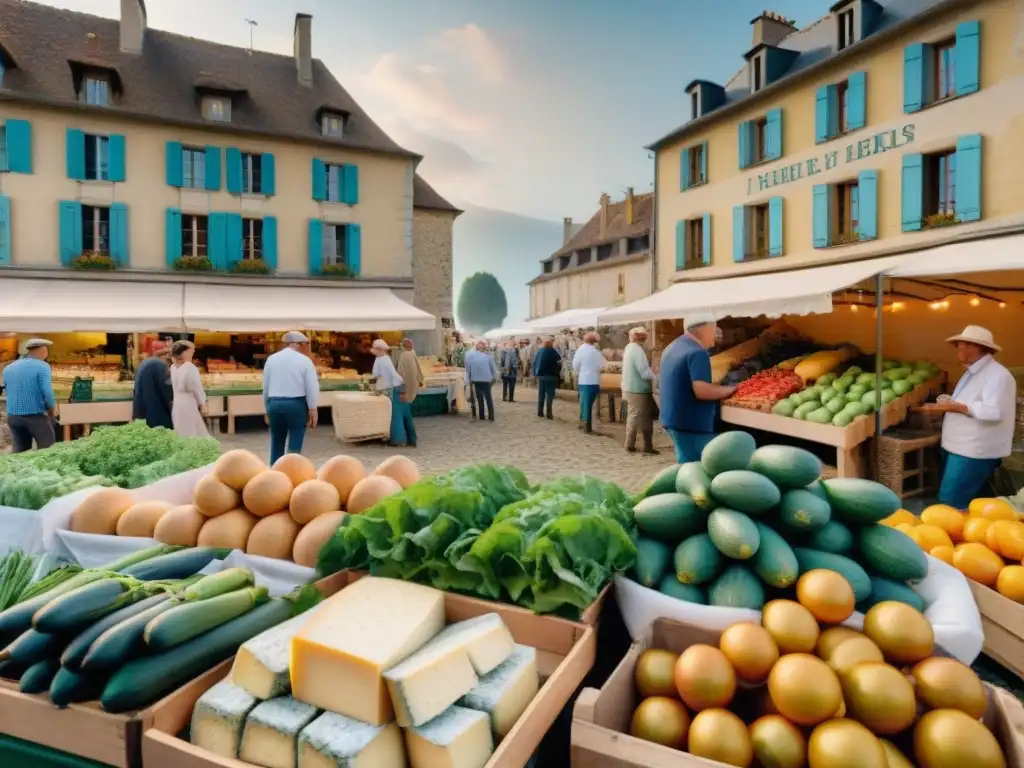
[{"x": 618, "y": 228}]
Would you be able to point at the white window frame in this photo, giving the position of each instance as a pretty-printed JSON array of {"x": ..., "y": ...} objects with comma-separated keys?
[
  {"x": 95, "y": 90},
  {"x": 249, "y": 161},
  {"x": 333, "y": 125},
  {"x": 193, "y": 168},
  {"x": 846, "y": 29},
  {"x": 334, "y": 182},
  {"x": 695, "y": 103},
  {"x": 101, "y": 153},
  {"x": 333, "y": 241},
  {"x": 252, "y": 229},
  {"x": 193, "y": 219},
  {"x": 217, "y": 108},
  {"x": 757, "y": 65},
  {"x": 97, "y": 223}
]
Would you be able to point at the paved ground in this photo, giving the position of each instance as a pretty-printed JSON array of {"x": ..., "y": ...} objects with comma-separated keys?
[{"x": 542, "y": 449}]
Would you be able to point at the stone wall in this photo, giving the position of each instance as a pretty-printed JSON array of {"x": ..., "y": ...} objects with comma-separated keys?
[{"x": 432, "y": 273}]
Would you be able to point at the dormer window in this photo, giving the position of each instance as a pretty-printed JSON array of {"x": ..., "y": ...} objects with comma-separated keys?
[
  {"x": 217, "y": 108},
  {"x": 332, "y": 124},
  {"x": 95, "y": 90},
  {"x": 694, "y": 105},
  {"x": 704, "y": 97},
  {"x": 855, "y": 20},
  {"x": 846, "y": 33},
  {"x": 757, "y": 74}
]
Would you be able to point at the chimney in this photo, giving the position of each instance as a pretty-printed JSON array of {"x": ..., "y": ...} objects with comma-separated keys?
[
  {"x": 629, "y": 207},
  {"x": 567, "y": 230},
  {"x": 770, "y": 28},
  {"x": 133, "y": 25},
  {"x": 303, "y": 48},
  {"x": 604, "y": 214}
]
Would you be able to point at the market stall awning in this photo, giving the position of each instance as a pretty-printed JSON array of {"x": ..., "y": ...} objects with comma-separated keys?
[
  {"x": 584, "y": 317},
  {"x": 113, "y": 306},
  {"x": 506, "y": 333},
  {"x": 992, "y": 254},
  {"x": 773, "y": 294},
  {"x": 252, "y": 309}
]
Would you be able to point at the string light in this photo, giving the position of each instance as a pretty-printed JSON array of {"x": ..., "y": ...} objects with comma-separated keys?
[
  {"x": 854, "y": 307},
  {"x": 935, "y": 305},
  {"x": 975, "y": 301},
  {"x": 1002, "y": 305}
]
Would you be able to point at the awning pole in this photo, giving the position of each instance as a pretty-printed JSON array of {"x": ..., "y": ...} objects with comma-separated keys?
[{"x": 879, "y": 362}]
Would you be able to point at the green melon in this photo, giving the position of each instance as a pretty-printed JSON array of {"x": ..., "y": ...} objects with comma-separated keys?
[
  {"x": 803, "y": 510},
  {"x": 727, "y": 451},
  {"x": 697, "y": 560},
  {"x": 696, "y": 483},
  {"x": 832, "y": 537},
  {"x": 733, "y": 534},
  {"x": 670, "y": 517},
  {"x": 663, "y": 482},
  {"x": 652, "y": 561},
  {"x": 672, "y": 587},
  {"x": 737, "y": 587},
  {"x": 775, "y": 562},
  {"x": 786, "y": 466},
  {"x": 857, "y": 501},
  {"x": 745, "y": 490}
]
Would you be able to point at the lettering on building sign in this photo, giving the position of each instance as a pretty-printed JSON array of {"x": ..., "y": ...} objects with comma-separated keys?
[{"x": 878, "y": 144}]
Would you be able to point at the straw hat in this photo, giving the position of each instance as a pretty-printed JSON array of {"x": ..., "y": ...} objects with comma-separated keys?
[
  {"x": 975, "y": 334},
  {"x": 34, "y": 343},
  {"x": 380, "y": 344},
  {"x": 294, "y": 337}
]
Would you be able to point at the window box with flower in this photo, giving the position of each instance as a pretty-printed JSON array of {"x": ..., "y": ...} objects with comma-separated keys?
[
  {"x": 251, "y": 267},
  {"x": 336, "y": 270},
  {"x": 94, "y": 260},
  {"x": 193, "y": 264}
]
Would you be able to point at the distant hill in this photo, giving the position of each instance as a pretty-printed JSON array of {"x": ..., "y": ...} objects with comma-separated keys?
[{"x": 507, "y": 245}]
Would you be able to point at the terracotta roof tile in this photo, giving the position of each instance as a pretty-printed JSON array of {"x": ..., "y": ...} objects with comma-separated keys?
[{"x": 618, "y": 228}]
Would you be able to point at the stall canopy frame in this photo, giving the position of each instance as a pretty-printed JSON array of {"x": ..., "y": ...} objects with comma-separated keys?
[
  {"x": 510, "y": 332},
  {"x": 572, "y": 319}
]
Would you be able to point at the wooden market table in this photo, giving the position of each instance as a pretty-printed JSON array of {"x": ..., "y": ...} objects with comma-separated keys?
[
  {"x": 250, "y": 402},
  {"x": 114, "y": 411}
]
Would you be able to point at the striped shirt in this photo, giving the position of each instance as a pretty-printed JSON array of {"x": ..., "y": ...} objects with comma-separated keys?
[{"x": 29, "y": 387}]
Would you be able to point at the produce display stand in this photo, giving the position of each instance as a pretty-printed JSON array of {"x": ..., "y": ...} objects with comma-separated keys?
[
  {"x": 111, "y": 411},
  {"x": 1003, "y": 622},
  {"x": 566, "y": 651},
  {"x": 251, "y": 403},
  {"x": 600, "y": 726}
]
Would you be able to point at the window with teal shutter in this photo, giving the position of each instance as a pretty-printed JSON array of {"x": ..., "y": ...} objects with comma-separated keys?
[
  {"x": 703, "y": 163},
  {"x": 350, "y": 184},
  {"x": 234, "y": 170},
  {"x": 775, "y": 226},
  {"x": 354, "y": 249},
  {"x": 269, "y": 175},
  {"x": 212, "y": 168},
  {"x": 70, "y": 215},
  {"x": 19, "y": 146},
  {"x": 174, "y": 154},
  {"x": 172, "y": 236},
  {"x": 120, "y": 245},
  {"x": 218, "y": 243},
  {"x": 315, "y": 246},
  {"x": 234, "y": 239},
  {"x": 706, "y": 235},
  {"x": 684, "y": 169},
  {"x": 75, "y": 154},
  {"x": 739, "y": 232},
  {"x": 821, "y": 207},
  {"x": 5, "y": 231},
  {"x": 680, "y": 244},
  {"x": 270, "y": 241},
  {"x": 822, "y": 107},
  {"x": 319, "y": 180},
  {"x": 856, "y": 101},
  {"x": 117, "y": 169},
  {"x": 968, "y": 57},
  {"x": 968, "y": 177},
  {"x": 914, "y": 77},
  {"x": 745, "y": 149},
  {"x": 912, "y": 192},
  {"x": 867, "y": 205},
  {"x": 773, "y": 144}
]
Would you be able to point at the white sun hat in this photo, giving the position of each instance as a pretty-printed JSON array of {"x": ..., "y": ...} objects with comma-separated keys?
[{"x": 975, "y": 334}]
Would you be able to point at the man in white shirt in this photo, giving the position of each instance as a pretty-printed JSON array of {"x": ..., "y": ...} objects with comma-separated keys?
[
  {"x": 587, "y": 364},
  {"x": 291, "y": 391},
  {"x": 387, "y": 381},
  {"x": 977, "y": 429},
  {"x": 637, "y": 388}
]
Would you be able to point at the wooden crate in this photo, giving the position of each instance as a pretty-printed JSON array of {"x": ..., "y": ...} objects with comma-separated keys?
[
  {"x": 908, "y": 462},
  {"x": 1002, "y": 620},
  {"x": 600, "y": 726},
  {"x": 565, "y": 653}
]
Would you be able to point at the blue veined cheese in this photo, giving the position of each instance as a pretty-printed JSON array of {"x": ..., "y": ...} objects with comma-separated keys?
[
  {"x": 262, "y": 663},
  {"x": 272, "y": 732},
  {"x": 458, "y": 738},
  {"x": 218, "y": 719},
  {"x": 485, "y": 638},
  {"x": 506, "y": 692},
  {"x": 336, "y": 741}
]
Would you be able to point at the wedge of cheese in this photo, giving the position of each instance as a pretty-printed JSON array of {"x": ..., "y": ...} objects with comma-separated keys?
[
  {"x": 485, "y": 638},
  {"x": 261, "y": 665},
  {"x": 336, "y": 741},
  {"x": 339, "y": 656},
  {"x": 272, "y": 732},
  {"x": 218, "y": 719},
  {"x": 506, "y": 692},
  {"x": 459, "y": 738}
]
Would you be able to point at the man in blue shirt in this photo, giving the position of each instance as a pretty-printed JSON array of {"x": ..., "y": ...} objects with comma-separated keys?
[
  {"x": 291, "y": 395},
  {"x": 481, "y": 373},
  {"x": 689, "y": 399},
  {"x": 31, "y": 407},
  {"x": 547, "y": 366}
]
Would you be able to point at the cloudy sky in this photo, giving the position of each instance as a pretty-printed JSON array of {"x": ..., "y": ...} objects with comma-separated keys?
[{"x": 530, "y": 106}]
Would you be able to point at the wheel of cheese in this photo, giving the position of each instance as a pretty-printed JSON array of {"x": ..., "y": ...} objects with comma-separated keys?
[
  {"x": 273, "y": 536},
  {"x": 213, "y": 497},
  {"x": 267, "y": 493},
  {"x": 298, "y": 468},
  {"x": 370, "y": 491},
  {"x": 230, "y": 530},
  {"x": 100, "y": 511},
  {"x": 141, "y": 519},
  {"x": 312, "y": 499},
  {"x": 401, "y": 469},
  {"x": 179, "y": 526},
  {"x": 238, "y": 467},
  {"x": 343, "y": 472},
  {"x": 313, "y": 536}
]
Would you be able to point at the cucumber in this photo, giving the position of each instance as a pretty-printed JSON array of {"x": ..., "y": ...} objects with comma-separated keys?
[
  {"x": 745, "y": 491},
  {"x": 79, "y": 647},
  {"x": 774, "y": 561},
  {"x": 18, "y": 617},
  {"x": 672, "y": 587},
  {"x": 186, "y": 621},
  {"x": 883, "y": 589},
  {"x": 652, "y": 558},
  {"x": 669, "y": 517},
  {"x": 727, "y": 451},
  {"x": 832, "y": 537},
  {"x": 122, "y": 641},
  {"x": 786, "y": 466},
  {"x": 32, "y": 646},
  {"x": 72, "y": 687},
  {"x": 663, "y": 482},
  {"x": 697, "y": 560},
  {"x": 137, "y": 557},
  {"x": 802, "y": 510},
  {"x": 733, "y": 533},
  {"x": 145, "y": 680},
  {"x": 75, "y": 610},
  {"x": 856, "y": 501},
  {"x": 219, "y": 584},
  {"x": 892, "y": 553},
  {"x": 736, "y": 588},
  {"x": 177, "y": 565},
  {"x": 39, "y": 676},
  {"x": 695, "y": 483}
]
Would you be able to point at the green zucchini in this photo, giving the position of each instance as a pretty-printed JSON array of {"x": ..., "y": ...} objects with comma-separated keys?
[
  {"x": 122, "y": 641},
  {"x": 79, "y": 608},
  {"x": 39, "y": 676},
  {"x": 72, "y": 687},
  {"x": 219, "y": 584},
  {"x": 32, "y": 646},
  {"x": 177, "y": 565},
  {"x": 79, "y": 647},
  {"x": 18, "y": 617},
  {"x": 184, "y": 622},
  {"x": 141, "y": 556},
  {"x": 145, "y": 680}
]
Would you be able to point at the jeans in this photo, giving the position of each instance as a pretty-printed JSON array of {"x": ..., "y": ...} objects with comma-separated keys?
[
  {"x": 963, "y": 478},
  {"x": 482, "y": 392},
  {"x": 689, "y": 445},
  {"x": 546, "y": 386},
  {"x": 403, "y": 431},
  {"x": 288, "y": 417},
  {"x": 25, "y": 429},
  {"x": 588, "y": 396},
  {"x": 508, "y": 388}
]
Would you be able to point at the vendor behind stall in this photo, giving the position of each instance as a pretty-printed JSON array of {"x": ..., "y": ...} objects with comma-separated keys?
[{"x": 977, "y": 429}]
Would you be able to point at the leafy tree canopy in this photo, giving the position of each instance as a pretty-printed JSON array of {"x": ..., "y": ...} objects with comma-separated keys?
[{"x": 482, "y": 304}]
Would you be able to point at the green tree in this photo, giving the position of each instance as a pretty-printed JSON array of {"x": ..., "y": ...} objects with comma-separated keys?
[{"x": 482, "y": 303}]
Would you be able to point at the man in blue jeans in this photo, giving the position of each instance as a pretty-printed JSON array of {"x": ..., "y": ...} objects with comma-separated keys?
[
  {"x": 587, "y": 363},
  {"x": 689, "y": 399},
  {"x": 481, "y": 373},
  {"x": 291, "y": 392},
  {"x": 547, "y": 367}
]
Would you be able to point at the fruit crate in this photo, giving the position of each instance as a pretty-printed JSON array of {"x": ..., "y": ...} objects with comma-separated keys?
[
  {"x": 1002, "y": 620},
  {"x": 601, "y": 718}
]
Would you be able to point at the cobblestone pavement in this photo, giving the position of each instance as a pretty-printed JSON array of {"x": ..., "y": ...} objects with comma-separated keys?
[{"x": 542, "y": 449}]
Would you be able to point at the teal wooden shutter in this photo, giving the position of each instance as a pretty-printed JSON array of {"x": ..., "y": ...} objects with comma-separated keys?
[
  {"x": 268, "y": 175},
  {"x": 233, "y": 239},
  {"x": 70, "y": 231},
  {"x": 684, "y": 169},
  {"x": 743, "y": 134},
  {"x": 217, "y": 243},
  {"x": 821, "y": 111},
  {"x": 234, "y": 157},
  {"x": 739, "y": 232},
  {"x": 315, "y": 246},
  {"x": 19, "y": 146},
  {"x": 175, "y": 174},
  {"x": 120, "y": 245},
  {"x": 773, "y": 142},
  {"x": 703, "y": 163},
  {"x": 707, "y": 240},
  {"x": 270, "y": 241},
  {"x": 968, "y": 58},
  {"x": 5, "y": 231},
  {"x": 350, "y": 184},
  {"x": 117, "y": 170},
  {"x": 680, "y": 245},
  {"x": 775, "y": 226},
  {"x": 833, "y": 111},
  {"x": 172, "y": 236},
  {"x": 212, "y": 161},
  {"x": 867, "y": 208},
  {"x": 968, "y": 177},
  {"x": 912, "y": 193},
  {"x": 354, "y": 248},
  {"x": 913, "y": 78},
  {"x": 75, "y": 153},
  {"x": 319, "y": 180},
  {"x": 821, "y": 205},
  {"x": 857, "y": 101}
]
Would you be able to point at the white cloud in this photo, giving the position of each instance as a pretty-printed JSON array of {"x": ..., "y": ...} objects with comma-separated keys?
[{"x": 475, "y": 45}]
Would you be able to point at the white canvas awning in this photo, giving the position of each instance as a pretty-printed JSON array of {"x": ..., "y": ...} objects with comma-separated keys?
[
  {"x": 55, "y": 306},
  {"x": 773, "y": 294},
  {"x": 992, "y": 254},
  {"x": 507, "y": 333},
  {"x": 251, "y": 309},
  {"x": 585, "y": 317}
]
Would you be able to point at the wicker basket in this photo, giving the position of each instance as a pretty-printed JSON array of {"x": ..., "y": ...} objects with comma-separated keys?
[
  {"x": 908, "y": 462},
  {"x": 360, "y": 416}
]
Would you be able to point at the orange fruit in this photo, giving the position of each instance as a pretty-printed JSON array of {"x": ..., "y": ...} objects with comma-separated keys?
[
  {"x": 1009, "y": 539},
  {"x": 705, "y": 678},
  {"x": 1010, "y": 583},
  {"x": 900, "y": 516},
  {"x": 908, "y": 529},
  {"x": 751, "y": 650},
  {"x": 976, "y": 529},
  {"x": 793, "y": 627},
  {"x": 943, "y": 553},
  {"x": 978, "y": 562},
  {"x": 992, "y": 509},
  {"x": 826, "y": 594},
  {"x": 930, "y": 536},
  {"x": 804, "y": 689},
  {"x": 945, "y": 517}
]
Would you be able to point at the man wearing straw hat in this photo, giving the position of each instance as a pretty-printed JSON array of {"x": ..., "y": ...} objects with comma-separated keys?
[
  {"x": 977, "y": 429},
  {"x": 637, "y": 392},
  {"x": 291, "y": 392},
  {"x": 31, "y": 405}
]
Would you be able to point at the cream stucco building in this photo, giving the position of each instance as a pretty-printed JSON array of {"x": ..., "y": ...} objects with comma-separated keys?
[{"x": 159, "y": 152}]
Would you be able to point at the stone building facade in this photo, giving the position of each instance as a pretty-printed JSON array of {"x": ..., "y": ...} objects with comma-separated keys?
[{"x": 432, "y": 237}]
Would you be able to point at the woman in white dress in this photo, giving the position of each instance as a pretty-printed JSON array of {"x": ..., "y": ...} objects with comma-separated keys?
[{"x": 189, "y": 396}]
